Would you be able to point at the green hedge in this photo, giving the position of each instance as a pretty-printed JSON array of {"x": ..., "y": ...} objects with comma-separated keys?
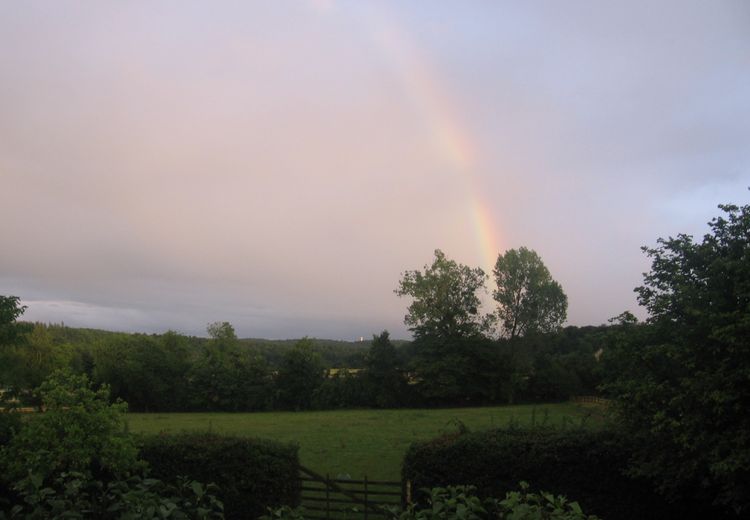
[
  {"x": 252, "y": 474},
  {"x": 586, "y": 466}
]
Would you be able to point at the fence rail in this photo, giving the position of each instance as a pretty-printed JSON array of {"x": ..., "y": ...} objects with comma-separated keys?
[{"x": 326, "y": 498}]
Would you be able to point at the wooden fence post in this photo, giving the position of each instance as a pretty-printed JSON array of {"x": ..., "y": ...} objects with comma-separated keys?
[
  {"x": 328, "y": 497},
  {"x": 366, "y": 503}
]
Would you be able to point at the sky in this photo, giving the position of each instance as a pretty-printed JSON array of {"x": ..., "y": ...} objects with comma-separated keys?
[{"x": 278, "y": 165}]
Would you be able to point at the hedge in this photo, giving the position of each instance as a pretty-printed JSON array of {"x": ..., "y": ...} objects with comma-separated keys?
[
  {"x": 586, "y": 466},
  {"x": 252, "y": 474}
]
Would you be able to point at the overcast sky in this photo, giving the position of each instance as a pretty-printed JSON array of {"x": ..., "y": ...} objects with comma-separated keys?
[{"x": 279, "y": 164}]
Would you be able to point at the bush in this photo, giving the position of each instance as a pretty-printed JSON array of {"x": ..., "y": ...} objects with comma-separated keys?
[
  {"x": 251, "y": 474},
  {"x": 462, "y": 503},
  {"x": 77, "y": 495},
  {"x": 10, "y": 423},
  {"x": 583, "y": 464},
  {"x": 74, "y": 461},
  {"x": 80, "y": 431}
]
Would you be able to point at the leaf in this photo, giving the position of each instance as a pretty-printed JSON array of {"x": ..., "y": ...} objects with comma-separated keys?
[{"x": 197, "y": 488}]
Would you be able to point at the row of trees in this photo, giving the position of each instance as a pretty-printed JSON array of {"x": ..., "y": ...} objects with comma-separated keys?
[
  {"x": 446, "y": 303},
  {"x": 171, "y": 372},
  {"x": 453, "y": 360},
  {"x": 456, "y": 357}
]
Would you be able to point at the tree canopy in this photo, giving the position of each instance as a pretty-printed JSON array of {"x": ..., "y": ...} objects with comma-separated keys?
[
  {"x": 683, "y": 386},
  {"x": 445, "y": 301},
  {"x": 10, "y": 310},
  {"x": 528, "y": 299}
]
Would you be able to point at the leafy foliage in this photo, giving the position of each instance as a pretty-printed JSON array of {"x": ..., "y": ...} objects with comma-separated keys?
[
  {"x": 10, "y": 330},
  {"x": 587, "y": 465},
  {"x": 384, "y": 380},
  {"x": 445, "y": 302},
  {"x": 524, "y": 505},
  {"x": 448, "y": 503},
  {"x": 76, "y": 495},
  {"x": 74, "y": 461},
  {"x": 457, "y": 371},
  {"x": 342, "y": 389},
  {"x": 12, "y": 339},
  {"x": 80, "y": 431},
  {"x": 144, "y": 371},
  {"x": 529, "y": 300},
  {"x": 299, "y": 375},
  {"x": 462, "y": 503},
  {"x": 683, "y": 386},
  {"x": 251, "y": 473}
]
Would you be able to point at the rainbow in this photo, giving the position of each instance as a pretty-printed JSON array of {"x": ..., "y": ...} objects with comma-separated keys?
[{"x": 452, "y": 139}]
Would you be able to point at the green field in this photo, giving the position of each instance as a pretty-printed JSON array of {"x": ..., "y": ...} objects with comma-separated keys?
[{"x": 357, "y": 442}]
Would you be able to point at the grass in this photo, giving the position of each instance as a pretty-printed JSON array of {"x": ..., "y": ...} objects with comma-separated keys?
[{"x": 358, "y": 442}]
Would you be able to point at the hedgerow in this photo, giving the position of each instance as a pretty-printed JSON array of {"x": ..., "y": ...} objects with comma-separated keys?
[
  {"x": 251, "y": 474},
  {"x": 590, "y": 466}
]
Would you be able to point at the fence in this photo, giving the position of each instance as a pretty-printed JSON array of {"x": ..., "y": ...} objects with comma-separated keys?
[{"x": 325, "y": 498}]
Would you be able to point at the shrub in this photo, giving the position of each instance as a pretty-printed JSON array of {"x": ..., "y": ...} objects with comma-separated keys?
[
  {"x": 251, "y": 474},
  {"x": 76, "y": 495},
  {"x": 462, "y": 503},
  {"x": 79, "y": 431},
  {"x": 10, "y": 423},
  {"x": 74, "y": 461},
  {"x": 583, "y": 464}
]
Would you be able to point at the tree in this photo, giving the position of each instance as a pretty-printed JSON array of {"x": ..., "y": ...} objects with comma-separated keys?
[
  {"x": 222, "y": 335},
  {"x": 10, "y": 310},
  {"x": 529, "y": 300},
  {"x": 32, "y": 361},
  {"x": 682, "y": 391},
  {"x": 300, "y": 374},
  {"x": 456, "y": 370},
  {"x": 146, "y": 371},
  {"x": 384, "y": 380},
  {"x": 445, "y": 302},
  {"x": 13, "y": 337}
]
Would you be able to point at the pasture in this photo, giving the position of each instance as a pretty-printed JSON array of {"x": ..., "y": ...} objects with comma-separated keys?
[{"x": 362, "y": 442}]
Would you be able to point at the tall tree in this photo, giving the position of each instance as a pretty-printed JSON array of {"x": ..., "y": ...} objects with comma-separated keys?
[
  {"x": 34, "y": 360},
  {"x": 222, "y": 335},
  {"x": 528, "y": 299},
  {"x": 384, "y": 381},
  {"x": 682, "y": 387},
  {"x": 11, "y": 332},
  {"x": 445, "y": 301},
  {"x": 300, "y": 374},
  {"x": 13, "y": 338}
]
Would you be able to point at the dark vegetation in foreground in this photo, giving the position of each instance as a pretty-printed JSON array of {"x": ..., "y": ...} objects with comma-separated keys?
[{"x": 678, "y": 384}]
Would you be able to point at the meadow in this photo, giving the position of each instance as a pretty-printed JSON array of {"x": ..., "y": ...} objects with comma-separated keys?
[{"x": 362, "y": 442}]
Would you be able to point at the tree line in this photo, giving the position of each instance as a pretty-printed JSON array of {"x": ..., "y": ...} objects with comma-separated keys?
[
  {"x": 454, "y": 359},
  {"x": 173, "y": 372}
]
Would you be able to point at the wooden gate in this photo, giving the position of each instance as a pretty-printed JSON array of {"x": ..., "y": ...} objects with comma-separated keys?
[{"x": 325, "y": 498}]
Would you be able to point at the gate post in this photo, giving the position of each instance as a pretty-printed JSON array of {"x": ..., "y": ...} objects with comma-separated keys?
[
  {"x": 328, "y": 497},
  {"x": 367, "y": 505}
]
